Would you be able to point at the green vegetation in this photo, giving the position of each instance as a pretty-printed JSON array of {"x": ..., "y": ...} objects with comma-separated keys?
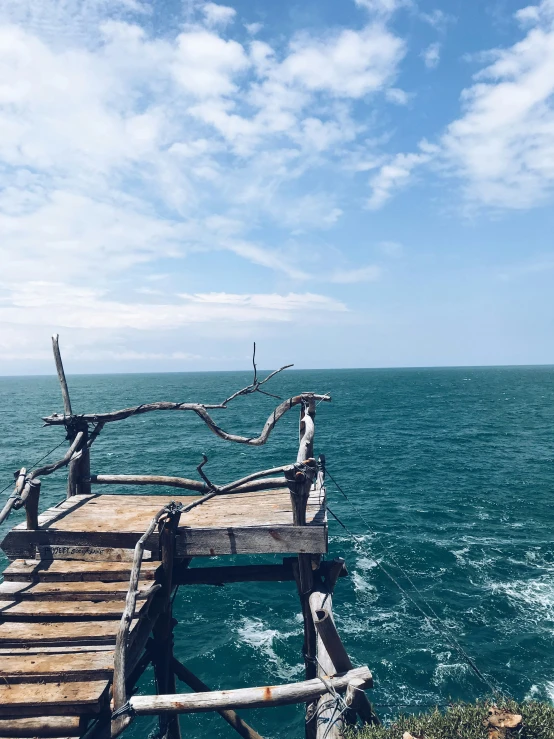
[{"x": 466, "y": 721}]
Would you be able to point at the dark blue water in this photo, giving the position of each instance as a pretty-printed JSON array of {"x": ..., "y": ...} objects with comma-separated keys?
[{"x": 453, "y": 470}]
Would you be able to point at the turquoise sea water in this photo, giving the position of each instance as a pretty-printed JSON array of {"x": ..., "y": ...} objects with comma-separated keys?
[{"x": 452, "y": 468}]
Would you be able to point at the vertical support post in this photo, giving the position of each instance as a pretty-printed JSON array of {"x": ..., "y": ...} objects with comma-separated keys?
[
  {"x": 300, "y": 483},
  {"x": 31, "y": 504},
  {"x": 83, "y": 475},
  {"x": 61, "y": 376},
  {"x": 163, "y": 628}
]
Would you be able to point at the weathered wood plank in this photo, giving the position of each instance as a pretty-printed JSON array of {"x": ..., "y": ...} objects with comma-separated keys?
[
  {"x": 65, "y": 699},
  {"x": 74, "y": 571},
  {"x": 40, "y": 649},
  {"x": 62, "y": 609},
  {"x": 41, "y": 726},
  {"x": 55, "y": 667},
  {"x": 253, "y": 540},
  {"x": 45, "y": 591},
  {"x": 60, "y": 633},
  {"x": 58, "y": 511},
  {"x": 86, "y": 553},
  {"x": 190, "y": 542},
  {"x": 262, "y": 697}
]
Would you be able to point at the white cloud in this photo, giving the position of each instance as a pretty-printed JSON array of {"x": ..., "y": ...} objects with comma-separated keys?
[
  {"x": 503, "y": 145},
  {"x": 370, "y": 273},
  {"x": 353, "y": 64},
  {"x": 438, "y": 19},
  {"x": 123, "y": 151},
  {"x": 205, "y": 64},
  {"x": 50, "y": 304},
  {"x": 253, "y": 28},
  {"x": 431, "y": 55},
  {"x": 383, "y": 7},
  {"x": 218, "y": 15},
  {"x": 395, "y": 175},
  {"x": 397, "y": 96}
]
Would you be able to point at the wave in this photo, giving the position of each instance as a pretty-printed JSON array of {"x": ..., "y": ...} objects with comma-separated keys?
[{"x": 256, "y": 635}]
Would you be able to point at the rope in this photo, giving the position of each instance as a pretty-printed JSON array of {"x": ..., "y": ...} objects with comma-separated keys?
[
  {"x": 36, "y": 463},
  {"x": 126, "y": 708},
  {"x": 439, "y": 626}
]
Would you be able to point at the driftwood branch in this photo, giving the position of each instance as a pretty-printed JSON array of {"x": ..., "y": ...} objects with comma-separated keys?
[
  {"x": 20, "y": 477},
  {"x": 263, "y": 697},
  {"x": 270, "y": 483},
  {"x": 247, "y": 484},
  {"x": 56, "y": 419},
  {"x": 61, "y": 375},
  {"x": 47, "y": 469},
  {"x": 120, "y": 655}
]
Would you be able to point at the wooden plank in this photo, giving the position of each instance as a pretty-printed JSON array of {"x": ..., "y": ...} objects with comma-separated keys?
[
  {"x": 44, "y": 591},
  {"x": 254, "y": 540},
  {"x": 85, "y": 553},
  {"x": 43, "y": 726},
  {"x": 311, "y": 539},
  {"x": 58, "y": 511},
  {"x": 65, "y": 609},
  {"x": 40, "y": 649},
  {"x": 60, "y": 633},
  {"x": 259, "y": 697},
  {"x": 23, "y": 544},
  {"x": 57, "y": 570},
  {"x": 55, "y": 667},
  {"x": 51, "y": 699}
]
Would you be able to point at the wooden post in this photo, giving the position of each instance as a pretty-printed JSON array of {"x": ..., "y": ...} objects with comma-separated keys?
[
  {"x": 31, "y": 504},
  {"x": 163, "y": 628},
  {"x": 332, "y": 658},
  {"x": 300, "y": 483},
  {"x": 61, "y": 376},
  {"x": 83, "y": 475}
]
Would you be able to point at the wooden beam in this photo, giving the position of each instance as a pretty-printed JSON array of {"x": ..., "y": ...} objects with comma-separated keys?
[
  {"x": 31, "y": 504},
  {"x": 61, "y": 376},
  {"x": 262, "y": 697},
  {"x": 232, "y": 718},
  {"x": 333, "y": 658},
  {"x": 162, "y": 651}
]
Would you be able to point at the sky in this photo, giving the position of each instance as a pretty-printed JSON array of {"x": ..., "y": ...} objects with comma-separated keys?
[{"x": 349, "y": 183}]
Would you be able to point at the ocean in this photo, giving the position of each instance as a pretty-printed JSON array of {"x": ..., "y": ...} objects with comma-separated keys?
[{"x": 452, "y": 472}]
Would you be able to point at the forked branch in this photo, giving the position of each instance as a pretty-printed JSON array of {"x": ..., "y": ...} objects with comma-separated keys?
[{"x": 255, "y": 385}]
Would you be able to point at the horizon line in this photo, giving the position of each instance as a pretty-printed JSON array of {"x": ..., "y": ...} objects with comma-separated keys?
[{"x": 295, "y": 369}]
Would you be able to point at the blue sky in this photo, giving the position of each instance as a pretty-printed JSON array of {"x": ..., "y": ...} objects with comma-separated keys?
[{"x": 350, "y": 183}]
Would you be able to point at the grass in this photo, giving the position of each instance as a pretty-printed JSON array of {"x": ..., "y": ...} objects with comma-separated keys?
[{"x": 464, "y": 721}]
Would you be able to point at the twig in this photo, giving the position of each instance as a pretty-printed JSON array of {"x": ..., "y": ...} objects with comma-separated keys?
[
  {"x": 208, "y": 482},
  {"x": 255, "y": 385}
]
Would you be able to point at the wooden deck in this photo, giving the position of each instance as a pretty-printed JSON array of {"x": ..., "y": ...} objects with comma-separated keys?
[
  {"x": 245, "y": 523},
  {"x": 64, "y": 593}
]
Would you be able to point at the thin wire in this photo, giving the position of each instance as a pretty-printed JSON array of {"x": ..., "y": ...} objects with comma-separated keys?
[
  {"x": 438, "y": 628},
  {"x": 35, "y": 464},
  {"x": 453, "y": 639}
]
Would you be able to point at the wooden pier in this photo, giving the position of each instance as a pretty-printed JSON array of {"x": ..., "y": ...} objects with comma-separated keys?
[{"x": 86, "y": 602}]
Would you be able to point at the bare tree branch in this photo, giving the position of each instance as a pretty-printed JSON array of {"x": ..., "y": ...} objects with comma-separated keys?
[{"x": 58, "y": 419}]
